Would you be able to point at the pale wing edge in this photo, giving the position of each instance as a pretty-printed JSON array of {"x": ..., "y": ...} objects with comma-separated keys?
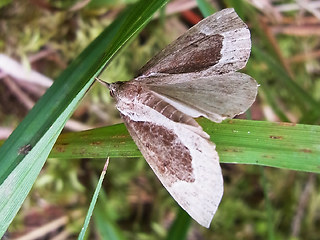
[{"x": 208, "y": 184}]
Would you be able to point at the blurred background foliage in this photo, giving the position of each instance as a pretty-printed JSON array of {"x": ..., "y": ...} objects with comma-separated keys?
[{"x": 258, "y": 203}]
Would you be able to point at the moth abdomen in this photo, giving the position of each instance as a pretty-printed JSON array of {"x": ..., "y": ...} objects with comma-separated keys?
[{"x": 166, "y": 109}]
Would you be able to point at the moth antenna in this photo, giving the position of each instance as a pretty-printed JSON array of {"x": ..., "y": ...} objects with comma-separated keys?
[{"x": 103, "y": 82}]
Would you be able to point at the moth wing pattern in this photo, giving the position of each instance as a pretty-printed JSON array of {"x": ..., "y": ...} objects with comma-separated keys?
[
  {"x": 181, "y": 156},
  {"x": 194, "y": 76},
  {"x": 218, "y": 44},
  {"x": 215, "y": 97}
]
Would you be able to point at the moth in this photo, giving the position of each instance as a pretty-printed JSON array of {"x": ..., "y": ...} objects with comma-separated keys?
[{"x": 193, "y": 76}]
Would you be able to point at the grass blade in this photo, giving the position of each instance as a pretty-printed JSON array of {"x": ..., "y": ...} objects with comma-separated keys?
[
  {"x": 205, "y": 7},
  {"x": 281, "y": 145},
  {"x": 180, "y": 226},
  {"x": 93, "y": 202},
  {"x": 105, "y": 224},
  {"x": 17, "y": 185},
  {"x": 302, "y": 96}
]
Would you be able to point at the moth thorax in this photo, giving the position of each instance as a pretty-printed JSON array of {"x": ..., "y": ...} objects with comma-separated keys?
[
  {"x": 128, "y": 91},
  {"x": 121, "y": 90}
]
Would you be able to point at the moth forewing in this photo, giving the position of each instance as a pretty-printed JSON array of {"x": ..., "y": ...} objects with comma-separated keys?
[{"x": 218, "y": 44}]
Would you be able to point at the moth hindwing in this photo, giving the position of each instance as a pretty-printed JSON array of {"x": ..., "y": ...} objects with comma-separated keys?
[{"x": 194, "y": 76}]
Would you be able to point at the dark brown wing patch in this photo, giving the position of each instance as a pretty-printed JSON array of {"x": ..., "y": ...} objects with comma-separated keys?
[
  {"x": 163, "y": 150},
  {"x": 196, "y": 53}
]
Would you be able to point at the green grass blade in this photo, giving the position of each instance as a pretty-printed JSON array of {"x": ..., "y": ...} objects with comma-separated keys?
[
  {"x": 180, "y": 226},
  {"x": 206, "y": 8},
  {"x": 45, "y": 121},
  {"x": 105, "y": 217},
  {"x": 265, "y": 93},
  {"x": 302, "y": 96},
  {"x": 16, "y": 186},
  {"x": 5, "y": 3},
  {"x": 271, "y": 100},
  {"x": 93, "y": 202},
  {"x": 268, "y": 205},
  {"x": 311, "y": 117},
  {"x": 281, "y": 145},
  {"x": 238, "y": 6},
  {"x": 106, "y": 225}
]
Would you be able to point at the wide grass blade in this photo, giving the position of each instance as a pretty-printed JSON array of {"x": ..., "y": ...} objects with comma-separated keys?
[
  {"x": 17, "y": 185},
  {"x": 25, "y": 151},
  {"x": 281, "y": 145}
]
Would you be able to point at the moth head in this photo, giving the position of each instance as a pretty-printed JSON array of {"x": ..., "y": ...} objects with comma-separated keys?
[
  {"x": 125, "y": 91},
  {"x": 114, "y": 89}
]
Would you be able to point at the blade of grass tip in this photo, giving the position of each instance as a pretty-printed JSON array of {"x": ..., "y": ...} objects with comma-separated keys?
[
  {"x": 180, "y": 226},
  {"x": 206, "y": 8},
  {"x": 93, "y": 201},
  {"x": 105, "y": 217}
]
